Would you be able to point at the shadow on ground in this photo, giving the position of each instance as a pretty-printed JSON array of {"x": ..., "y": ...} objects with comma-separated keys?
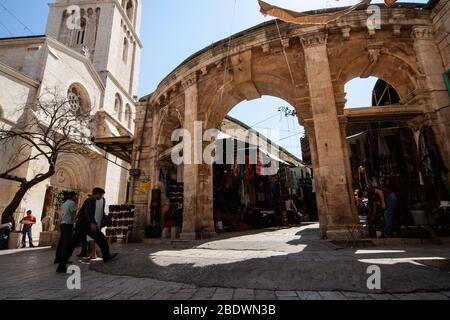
[{"x": 284, "y": 259}]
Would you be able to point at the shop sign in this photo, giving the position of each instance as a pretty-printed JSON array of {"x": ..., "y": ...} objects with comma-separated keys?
[{"x": 144, "y": 186}]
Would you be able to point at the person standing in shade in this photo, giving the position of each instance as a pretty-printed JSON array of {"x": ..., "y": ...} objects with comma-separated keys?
[
  {"x": 28, "y": 221},
  {"x": 388, "y": 200},
  {"x": 86, "y": 225},
  {"x": 68, "y": 217}
]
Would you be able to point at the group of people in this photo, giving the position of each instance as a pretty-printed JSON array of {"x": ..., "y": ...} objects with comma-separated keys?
[{"x": 75, "y": 228}]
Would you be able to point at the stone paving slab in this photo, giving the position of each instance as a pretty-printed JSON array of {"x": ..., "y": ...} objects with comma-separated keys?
[
  {"x": 33, "y": 269},
  {"x": 293, "y": 259}
]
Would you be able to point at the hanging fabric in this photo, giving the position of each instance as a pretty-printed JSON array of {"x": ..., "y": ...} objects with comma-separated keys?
[{"x": 304, "y": 18}]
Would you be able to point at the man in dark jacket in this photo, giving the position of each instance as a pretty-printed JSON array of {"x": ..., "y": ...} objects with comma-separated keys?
[{"x": 87, "y": 225}]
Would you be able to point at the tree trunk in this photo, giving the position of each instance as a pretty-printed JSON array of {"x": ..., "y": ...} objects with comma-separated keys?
[{"x": 8, "y": 213}]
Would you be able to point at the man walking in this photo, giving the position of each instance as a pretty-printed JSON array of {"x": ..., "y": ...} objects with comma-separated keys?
[
  {"x": 86, "y": 225},
  {"x": 28, "y": 221},
  {"x": 68, "y": 218}
]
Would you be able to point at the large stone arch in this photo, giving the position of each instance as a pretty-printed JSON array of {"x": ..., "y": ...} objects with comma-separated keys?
[{"x": 307, "y": 66}]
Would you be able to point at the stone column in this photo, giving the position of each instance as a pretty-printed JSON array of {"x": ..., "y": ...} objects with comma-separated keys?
[
  {"x": 198, "y": 186},
  {"x": 332, "y": 184},
  {"x": 321, "y": 203},
  {"x": 345, "y": 147},
  {"x": 431, "y": 64}
]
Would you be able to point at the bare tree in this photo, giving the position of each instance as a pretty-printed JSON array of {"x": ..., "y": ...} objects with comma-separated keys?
[{"x": 52, "y": 126}]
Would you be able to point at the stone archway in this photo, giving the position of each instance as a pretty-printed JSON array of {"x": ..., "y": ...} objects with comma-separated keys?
[{"x": 308, "y": 67}]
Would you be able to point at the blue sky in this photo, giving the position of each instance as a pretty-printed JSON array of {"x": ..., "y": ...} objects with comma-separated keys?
[{"x": 172, "y": 30}]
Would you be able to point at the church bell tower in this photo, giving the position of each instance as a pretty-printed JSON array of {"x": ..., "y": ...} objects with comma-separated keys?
[{"x": 108, "y": 33}]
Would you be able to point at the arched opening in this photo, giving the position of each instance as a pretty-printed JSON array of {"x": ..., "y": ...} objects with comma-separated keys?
[
  {"x": 72, "y": 175},
  {"x": 81, "y": 33},
  {"x": 128, "y": 116},
  {"x": 129, "y": 9},
  {"x": 388, "y": 145},
  {"x": 125, "y": 50},
  {"x": 259, "y": 168},
  {"x": 78, "y": 98},
  {"x": 368, "y": 92},
  {"x": 118, "y": 108},
  {"x": 168, "y": 194}
]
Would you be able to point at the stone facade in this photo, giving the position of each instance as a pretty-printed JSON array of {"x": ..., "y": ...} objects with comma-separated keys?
[
  {"x": 101, "y": 61},
  {"x": 407, "y": 52}
]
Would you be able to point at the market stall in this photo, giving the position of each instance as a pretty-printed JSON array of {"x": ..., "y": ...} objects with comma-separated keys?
[{"x": 406, "y": 160}]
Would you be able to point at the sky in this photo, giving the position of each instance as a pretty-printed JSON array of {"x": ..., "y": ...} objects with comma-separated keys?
[{"x": 172, "y": 30}]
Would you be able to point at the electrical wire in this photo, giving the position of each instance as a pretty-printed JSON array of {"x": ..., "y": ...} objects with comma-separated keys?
[
  {"x": 16, "y": 18},
  {"x": 6, "y": 28}
]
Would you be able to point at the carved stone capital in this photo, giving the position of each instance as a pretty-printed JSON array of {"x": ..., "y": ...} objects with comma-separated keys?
[
  {"x": 346, "y": 33},
  {"x": 189, "y": 81},
  {"x": 422, "y": 32},
  {"x": 313, "y": 40}
]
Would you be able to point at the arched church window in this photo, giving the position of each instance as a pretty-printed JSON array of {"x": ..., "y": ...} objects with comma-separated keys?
[
  {"x": 78, "y": 99},
  {"x": 81, "y": 34},
  {"x": 118, "y": 107},
  {"x": 130, "y": 10},
  {"x": 128, "y": 116},
  {"x": 125, "y": 50}
]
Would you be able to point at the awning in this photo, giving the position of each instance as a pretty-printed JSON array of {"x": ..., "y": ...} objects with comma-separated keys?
[{"x": 121, "y": 147}]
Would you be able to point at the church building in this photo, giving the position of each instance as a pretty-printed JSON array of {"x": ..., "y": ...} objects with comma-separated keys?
[{"x": 91, "y": 53}]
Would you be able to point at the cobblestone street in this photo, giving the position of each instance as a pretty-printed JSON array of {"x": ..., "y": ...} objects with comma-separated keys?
[{"x": 269, "y": 265}]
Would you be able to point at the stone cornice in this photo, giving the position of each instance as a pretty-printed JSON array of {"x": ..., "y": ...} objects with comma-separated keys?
[
  {"x": 264, "y": 36},
  {"x": 19, "y": 76}
]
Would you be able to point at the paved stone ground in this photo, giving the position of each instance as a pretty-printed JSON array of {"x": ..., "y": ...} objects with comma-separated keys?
[{"x": 210, "y": 271}]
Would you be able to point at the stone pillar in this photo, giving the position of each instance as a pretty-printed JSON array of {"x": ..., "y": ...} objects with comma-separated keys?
[
  {"x": 198, "y": 188},
  {"x": 348, "y": 168},
  {"x": 143, "y": 152},
  {"x": 332, "y": 183},
  {"x": 431, "y": 64},
  {"x": 321, "y": 203}
]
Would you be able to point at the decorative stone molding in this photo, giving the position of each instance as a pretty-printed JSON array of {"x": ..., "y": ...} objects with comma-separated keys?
[
  {"x": 285, "y": 43},
  {"x": 374, "y": 54},
  {"x": 397, "y": 30},
  {"x": 422, "y": 32},
  {"x": 371, "y": 31},
  {"x": 346, "y": 33},
  {"x": 189, "y": 81},
  {"x": 313, "y": 40},
  {"x": 265, "y": 48},
  {"x": 220, "y": 65}
]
